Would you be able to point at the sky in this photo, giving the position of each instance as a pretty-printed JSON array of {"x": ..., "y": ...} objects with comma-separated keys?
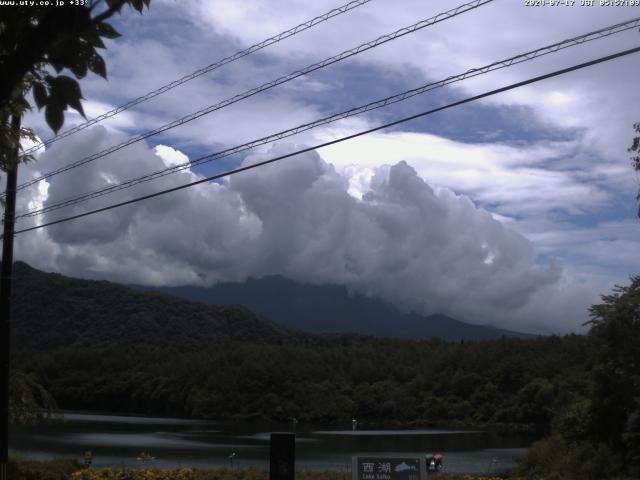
[{"x": 517, "y": 210}]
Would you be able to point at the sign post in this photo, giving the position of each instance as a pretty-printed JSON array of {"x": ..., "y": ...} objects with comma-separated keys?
[{"x": 283, "y": 456}]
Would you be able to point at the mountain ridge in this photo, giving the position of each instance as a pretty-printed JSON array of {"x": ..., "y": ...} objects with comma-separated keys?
[
  {"x": 332, "y": 309},
  {"x": 51, "y": 311}
]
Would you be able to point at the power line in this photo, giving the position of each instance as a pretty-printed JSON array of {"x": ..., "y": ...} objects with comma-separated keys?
[
  {"x": 524, "y": 57},
  {"x": 231, "y": 58},
  {"x": 339, "y": 140},
  {"x": 279, "y": 81}
]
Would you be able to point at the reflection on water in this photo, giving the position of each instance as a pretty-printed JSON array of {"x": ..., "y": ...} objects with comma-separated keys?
[
  {"x": 378, "y": 433},
  {"x": 158, "y": 439},
  {"x": 92, "y": 418},
  {"x": 119, "y": 440}
]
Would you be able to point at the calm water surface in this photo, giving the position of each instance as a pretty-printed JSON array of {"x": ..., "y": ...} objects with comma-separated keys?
[{"x": 118, "y": 441}]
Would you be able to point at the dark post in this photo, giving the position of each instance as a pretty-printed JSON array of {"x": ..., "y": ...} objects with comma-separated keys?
[
  {"x": 283, "y": 456},
  {"x": 5, "y": 299}
]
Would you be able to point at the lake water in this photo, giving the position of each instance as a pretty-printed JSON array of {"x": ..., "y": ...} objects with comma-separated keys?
[{"x": 118, "y": 440}]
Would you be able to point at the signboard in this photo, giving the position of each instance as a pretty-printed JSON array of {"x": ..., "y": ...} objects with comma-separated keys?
[{"x": 388, "y": 468}]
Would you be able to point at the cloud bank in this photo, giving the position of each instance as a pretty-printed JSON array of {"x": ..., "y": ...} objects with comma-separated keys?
[{"x": 421, "y": 249}]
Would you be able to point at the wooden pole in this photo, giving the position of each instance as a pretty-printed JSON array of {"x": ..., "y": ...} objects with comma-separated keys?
[
  {"x": 5, "y": 297},
  {"x": 282, "y": 456}
]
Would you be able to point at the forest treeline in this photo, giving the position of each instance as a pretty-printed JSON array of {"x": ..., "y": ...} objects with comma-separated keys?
[
  {"x": 510, "y": 383},
  {"x": 102, "y": 346}
]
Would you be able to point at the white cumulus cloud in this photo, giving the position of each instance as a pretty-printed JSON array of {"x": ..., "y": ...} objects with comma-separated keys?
[{"x": 422, "y": 249}]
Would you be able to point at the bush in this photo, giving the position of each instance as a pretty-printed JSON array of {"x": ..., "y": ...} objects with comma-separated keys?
[
  {"x": 20, "y": 469},
  {"x": 554, "y": 458}
]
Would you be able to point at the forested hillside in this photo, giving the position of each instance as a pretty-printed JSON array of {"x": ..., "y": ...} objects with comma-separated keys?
[
  {"x": 52, "y": 311},
  {"x": 101, "y": 346}
]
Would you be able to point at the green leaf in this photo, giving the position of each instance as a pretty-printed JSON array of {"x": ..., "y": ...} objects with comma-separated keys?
[
  {"x": 107, "y": 31},
  {"x": 23, "y": 104},
  {"x": 79, "y": 69},
  {"x": 29, "y": 134},
  {"x": 66, "y": 54},
  {"x": 96, "y": 65},
  {"x": 66, "y": 91},
  {"x": 54, "y": 115},
  {"x": 40, "y": 94},
  {"x": 76, "y": 105},
  {"x": 118, "y": 4},
  {"x": 82, "y": 18},
  {"x": 137, "y": 4},
  {"x": 56, "y": 63},
  {"x": 93, "y": 38},
  {"x": 66, "y": 87},
  {"x": 80, "y": 60}
]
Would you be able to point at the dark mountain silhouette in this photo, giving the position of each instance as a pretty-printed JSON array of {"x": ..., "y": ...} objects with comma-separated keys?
[
  {"x": 330, "y": 308},
  {"x": 52, "y": 311}
]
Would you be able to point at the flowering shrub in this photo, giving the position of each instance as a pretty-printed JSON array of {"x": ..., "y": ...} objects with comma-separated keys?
[
  {"x": 225, "y": 474},
  {"x": 181, "y": 474}
]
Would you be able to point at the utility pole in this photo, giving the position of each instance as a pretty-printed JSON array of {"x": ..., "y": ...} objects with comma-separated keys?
[{"x": 5, "y": 296}]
